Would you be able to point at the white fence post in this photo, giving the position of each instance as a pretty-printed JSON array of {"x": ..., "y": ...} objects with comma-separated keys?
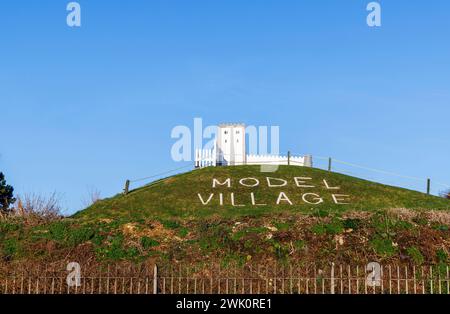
[
  {"x": 332, "y": 278},
  {"x": 155, "y": 279}
]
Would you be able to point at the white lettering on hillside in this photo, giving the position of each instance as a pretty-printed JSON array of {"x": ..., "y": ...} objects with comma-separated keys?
[
  {"x": 300, "y": 182},
  {"x": 283, "y": 197},
  {"x": 301, "y": 192},
  {"x": 316, "y": 200},
  {"x": 339, "y": 198},
  {"x": 271, "y": 185},
  {"x": 207, "y": 201},
  {"x": 233, "y": 202},
  {"x": 255, "y": 182},
  {"x": 330, "y": 187},
  {"x": 227, "y": 182},
  {"x": 252, "y": 196}
]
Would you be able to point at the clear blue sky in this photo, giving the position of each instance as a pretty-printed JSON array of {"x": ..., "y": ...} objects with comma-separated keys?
[{"x": 93, "y": 106}]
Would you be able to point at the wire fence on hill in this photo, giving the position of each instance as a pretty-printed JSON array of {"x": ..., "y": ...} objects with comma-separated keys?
[
  {"x": 425, "y": 185},
  {"x": 250, "y": 279}
]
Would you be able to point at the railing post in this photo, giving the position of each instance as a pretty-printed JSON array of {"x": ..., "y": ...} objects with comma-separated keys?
[
  {"x": 332, "y": 279},
  {"x": 155, "y": 279},
  {"x": 428, "y": 186},
  {"x": 127, "y": 187},
  {"x": 329, "y": 164},
  {"x": 289, "y": 158}
]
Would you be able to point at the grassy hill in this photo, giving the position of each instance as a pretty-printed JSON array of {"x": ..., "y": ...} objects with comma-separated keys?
[
  {"x": 178, "y": 196},
  {"x": 239, "y": 214}
]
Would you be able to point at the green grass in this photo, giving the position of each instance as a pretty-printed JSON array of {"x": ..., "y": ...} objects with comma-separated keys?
[
  {"x": 334, "y": 227},
  {"x": 176, "y": 197},
  {"x": 148, "y": 243},
  {"x": 383, "y": 246}
]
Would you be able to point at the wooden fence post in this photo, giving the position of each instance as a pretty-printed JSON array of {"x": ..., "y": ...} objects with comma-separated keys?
[
  {"x": 428, "y": 186},
  {"x": 329, "y": 164},
  {"x": 155, "y": 279},
  {"x": 127, "y": 187}
]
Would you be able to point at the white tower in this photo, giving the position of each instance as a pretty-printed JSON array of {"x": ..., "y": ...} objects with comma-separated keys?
[{"x": 231, "y": 144}]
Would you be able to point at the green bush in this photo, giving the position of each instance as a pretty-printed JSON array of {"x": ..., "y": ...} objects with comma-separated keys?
[
  {"x": 442, "y": 256},
  {"x": 80, "y": 235},
  {"x": 282, "y": 226},
  {"x": 442, "y": 228},
  {"x": 116, "y": 249},
  {"x": 147, "y": 242},
  {"x": 183, "y": 232},
  {"x": 334, "y": 227},
  {"x": 247, "y": 231},
  {"x": 59, "y": 230},
  {"x": 299, "y": 244},
  {"x": 416, "y": 255},
  {"x": 383, "y": 246},
  {"x": 10, "y": 226},
  {"x": 321, "y": 213},
  {"x": 10, "y": 248},
  {"x": 351, "y": 223},
  {"x": 281, "y": 250},
  {"x": 403, "y": 225},
  {"x": 170, "y": 224}
]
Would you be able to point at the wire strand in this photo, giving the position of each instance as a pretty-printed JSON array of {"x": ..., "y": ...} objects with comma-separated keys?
[
  {"x": 314, "y": 157},
  {"x": 159, "y": 174}
]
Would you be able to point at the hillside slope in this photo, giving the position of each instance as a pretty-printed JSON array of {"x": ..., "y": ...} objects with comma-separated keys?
[
  {"x": 305, "y": 190},
  {"x": 241, "y": 215}
]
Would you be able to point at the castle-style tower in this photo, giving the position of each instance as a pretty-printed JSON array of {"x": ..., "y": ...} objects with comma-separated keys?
[{"x": 231, "y": 144}]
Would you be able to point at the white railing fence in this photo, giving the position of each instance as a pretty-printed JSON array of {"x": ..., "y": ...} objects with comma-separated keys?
[
  {"x": 209, "y": 157},
  {"x": 248, "y": 279},
  {"x": 205, "y": 158}
]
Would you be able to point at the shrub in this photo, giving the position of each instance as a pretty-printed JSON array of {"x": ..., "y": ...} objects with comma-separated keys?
[
  {"x": 10, "y": 248},
  {"x": 281, "y": 250},
  {"x": 116, "y": 249},
  {"x": 352, "y": 223},
  {"x": 248, "y": 231},
  {"x": 59, "y": 230},
  {"x": 282, "y": 226},
  {"x": 6, "y": 196},
  {"x": 321, "y": 213},
  {"x": 383, "y": 246},
  {"x": 170, "y": 224},
  {"x": 10, "y": 226},
  {"x": 442, "y": 256},
  {"x": 416, "y": 255},
  {"x": 299, "y": 244},
  {"x": 403, "y": 225},
  {"x": 183, "y": 232},
  {"x": 147, "y": 242},
  {"x": 37, "y": 208},
  {"x": 80, "y": 235},
  {"x": 334, "y": 227}
]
